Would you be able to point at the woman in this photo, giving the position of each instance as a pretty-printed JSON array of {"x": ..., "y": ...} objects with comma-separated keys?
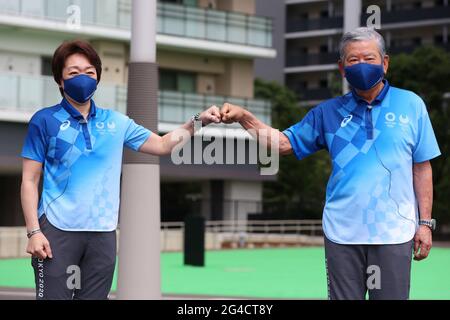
[{"x": 78, "y": 147}]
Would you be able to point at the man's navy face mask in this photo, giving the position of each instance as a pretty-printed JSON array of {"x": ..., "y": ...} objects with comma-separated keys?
[
  {"x": 80, "y": 88},
  {"x": 364, "y": 76}
]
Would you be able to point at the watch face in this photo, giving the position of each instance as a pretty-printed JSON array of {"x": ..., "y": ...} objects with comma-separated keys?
[{"x": 433, "y": 224}]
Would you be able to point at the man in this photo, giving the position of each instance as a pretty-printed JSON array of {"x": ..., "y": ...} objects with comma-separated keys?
[
  {"x": 379, "y": 195},
  {"x": 78, "y": 147}
]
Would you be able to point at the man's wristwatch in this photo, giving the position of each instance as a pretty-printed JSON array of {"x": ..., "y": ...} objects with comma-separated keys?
[{"x": 429, "y": 223}]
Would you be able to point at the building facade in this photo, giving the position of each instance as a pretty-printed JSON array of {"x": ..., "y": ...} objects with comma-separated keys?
[
  {"x": 313, "y": 29},
  {"x": 205, "y": 52}
]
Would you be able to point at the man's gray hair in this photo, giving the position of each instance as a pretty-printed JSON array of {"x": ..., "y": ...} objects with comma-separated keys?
[{"x": 362, "y": 34}]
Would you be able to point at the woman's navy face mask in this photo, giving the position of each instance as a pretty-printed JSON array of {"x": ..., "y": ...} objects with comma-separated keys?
[{"x": 80, "y": 88}]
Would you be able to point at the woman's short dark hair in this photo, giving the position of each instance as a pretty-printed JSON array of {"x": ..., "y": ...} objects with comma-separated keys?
[{"x": 69, "y": 48}]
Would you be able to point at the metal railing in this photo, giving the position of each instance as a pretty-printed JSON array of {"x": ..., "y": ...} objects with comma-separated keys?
[
  {"x": 302, "y": 24},
  {"x": 308, "y": 227},
  {"x": 247, "y": 233},
  {"x": 396, "y": 49},
  {"x": 214, "y": 25},
  {"x": 28, "y": 93},
  {"x": 178, "y": 106},
  {"x": 311, "y": 94},
  {"x": 219, "y": 235},
  {"x": 173, "y": 19},
  {"x": 406, "y": 15},
  {"x": 307, "y": 59}
]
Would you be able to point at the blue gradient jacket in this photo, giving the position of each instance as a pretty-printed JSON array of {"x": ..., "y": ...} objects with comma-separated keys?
[
  {"x": 370, "y": 195},
  {"x": 82, "y": 163}
]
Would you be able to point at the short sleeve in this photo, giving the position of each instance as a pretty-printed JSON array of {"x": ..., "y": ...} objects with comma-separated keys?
[
  {"x": 135, "y": 135},
  {"x": 306, "y": 137},
  {"x": 35, "y": 146},
  {"x": 426, "y": 146}
]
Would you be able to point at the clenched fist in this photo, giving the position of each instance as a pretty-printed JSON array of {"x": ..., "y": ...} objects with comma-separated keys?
[
  {"x": 210, "y": 115},
  {"x": 231, "y": 113},
  {"x": 38, "y": 246}
]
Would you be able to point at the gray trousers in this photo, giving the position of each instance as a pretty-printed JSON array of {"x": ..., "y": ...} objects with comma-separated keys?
[
  {"x": 381, "y": 270},
  {"x": 82, "y": 266}
]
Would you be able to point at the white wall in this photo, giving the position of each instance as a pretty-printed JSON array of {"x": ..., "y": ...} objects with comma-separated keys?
[
  {"x": 30, "y": 42},
  {"x": 241, "y": 198},
  {"x": 20, "y": 63}
]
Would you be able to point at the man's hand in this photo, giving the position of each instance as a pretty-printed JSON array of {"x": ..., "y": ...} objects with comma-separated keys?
[
  {"x": 38, "y": 246},
  {"x": 422, "y": 240},
  {"x": 231, "y": 113},
  {"x": 211, "y": 115}
]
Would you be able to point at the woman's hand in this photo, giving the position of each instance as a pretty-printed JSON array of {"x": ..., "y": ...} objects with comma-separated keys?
[
  {"x": 211, "y": 115},
  {"x": 38, "y": 246}
]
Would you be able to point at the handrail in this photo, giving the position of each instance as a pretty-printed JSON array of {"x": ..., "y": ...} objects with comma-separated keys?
[
  {"x": 24, "y": 92},
  {"x": 219, "y": 234},
  {"x": 249, "y": 226},
  {"x": 173, "y": 19}
]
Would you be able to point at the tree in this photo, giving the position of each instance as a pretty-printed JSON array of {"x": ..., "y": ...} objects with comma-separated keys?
[{"x": 299, "y": 191}]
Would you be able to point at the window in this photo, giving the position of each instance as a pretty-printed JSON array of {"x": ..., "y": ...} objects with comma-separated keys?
[
  {"x": 173, "y": 1},
  {"x": 167, "y": 80},
  {"x": 438, "y": 39},
  {"x": 303, "y": 84},
  {"x": 191, "y": 3},
  {"x": 177, "y": 81},
  {"x": 46, "y": 63},
  {"x": 417, "y": 41},
  {"x": 324, "y": 14}
]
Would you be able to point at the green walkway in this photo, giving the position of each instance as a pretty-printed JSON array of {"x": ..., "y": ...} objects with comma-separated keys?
[{"x": 259, "y": 273}]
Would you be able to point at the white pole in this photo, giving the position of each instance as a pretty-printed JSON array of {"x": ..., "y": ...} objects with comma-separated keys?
[
  {"x": 143, "y": 31},
  {"x": 139, "y": 244},
  {"x": 352, "y": 16}
]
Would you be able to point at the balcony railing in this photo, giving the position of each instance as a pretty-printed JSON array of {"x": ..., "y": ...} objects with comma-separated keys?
[
  {"x": 315, "y": 94},
  {"x": 177, "y": 106},
  {"x": 305, "y": 94},
  {"x": 410, "y": 48},
  {"x": 215, "y": 25},
  {"x": 25, "y": 93},
  {"x": 412, "y": 15},
  {"x": 302, "y": 59},
  {"x": 173, "y": 19},
  {"x": 301, "y": 24}
]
